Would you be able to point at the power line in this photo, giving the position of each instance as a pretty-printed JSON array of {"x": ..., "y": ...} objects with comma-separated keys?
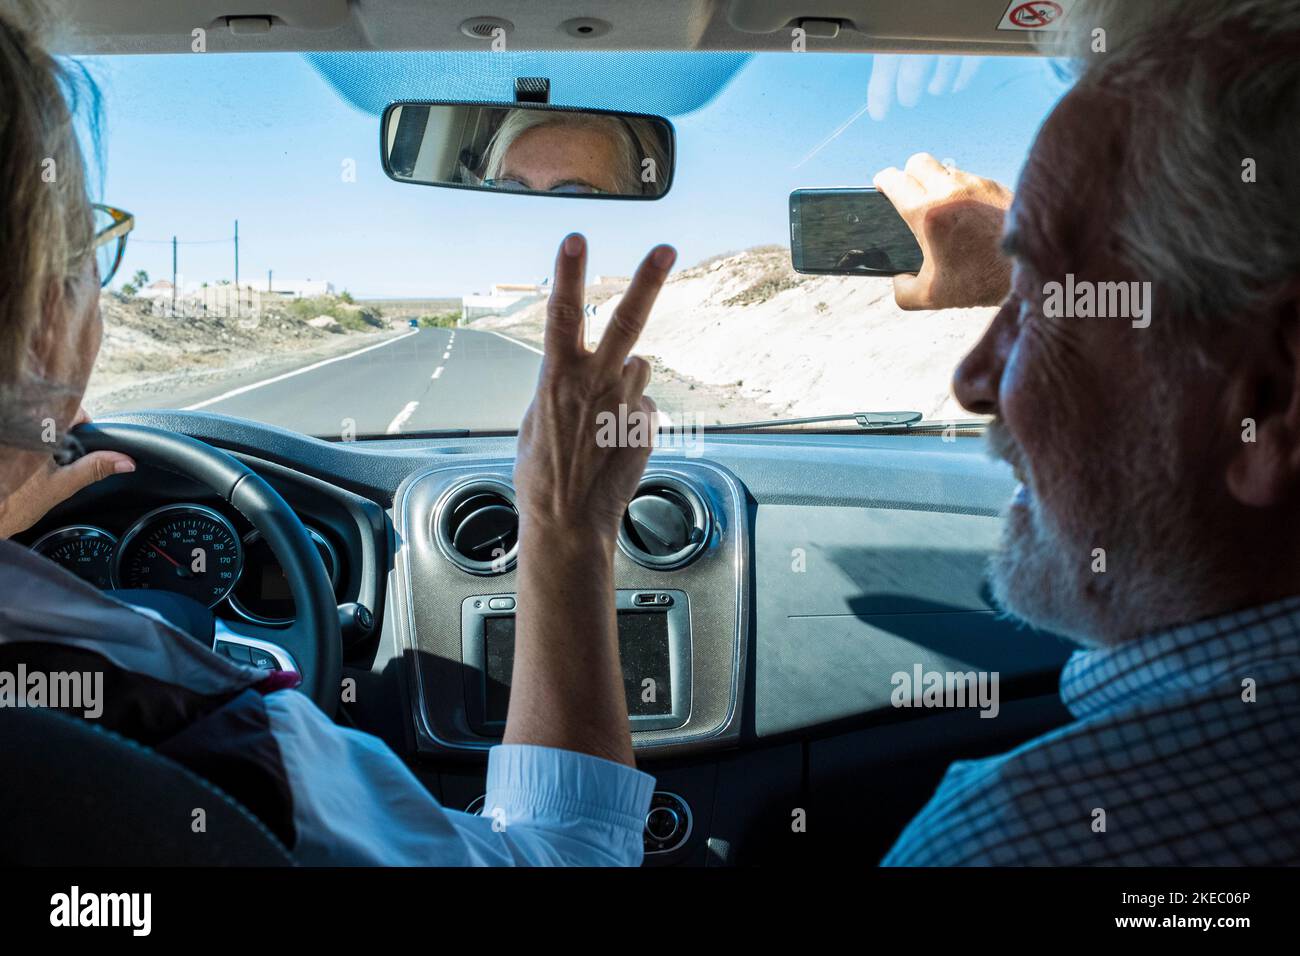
[{"x": 183, "y": 242}]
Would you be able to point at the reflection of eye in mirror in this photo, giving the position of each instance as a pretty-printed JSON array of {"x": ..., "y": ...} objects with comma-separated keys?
[{"x": 529, "y": 149}]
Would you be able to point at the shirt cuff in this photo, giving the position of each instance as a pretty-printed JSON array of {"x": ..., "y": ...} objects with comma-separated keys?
[{"x": 541, "y": 784}]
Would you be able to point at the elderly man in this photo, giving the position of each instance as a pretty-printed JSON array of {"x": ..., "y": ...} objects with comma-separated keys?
[{"x": 1158, "y": 517}]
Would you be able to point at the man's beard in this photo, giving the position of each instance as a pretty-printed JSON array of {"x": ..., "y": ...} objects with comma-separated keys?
[{"x": 1130, "y": 502}]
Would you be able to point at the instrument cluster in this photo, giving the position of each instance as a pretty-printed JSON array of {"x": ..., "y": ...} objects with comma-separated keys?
[{"x": 189, "y": 549}]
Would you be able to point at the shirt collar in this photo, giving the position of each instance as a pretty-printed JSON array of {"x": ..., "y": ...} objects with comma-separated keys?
[{"x": 1181, "y": 659}]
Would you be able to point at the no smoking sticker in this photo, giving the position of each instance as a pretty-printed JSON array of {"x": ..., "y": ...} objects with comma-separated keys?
[{"x": 1035, "y": 15}]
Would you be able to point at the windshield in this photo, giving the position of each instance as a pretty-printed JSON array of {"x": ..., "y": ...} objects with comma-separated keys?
[{"x": 275, "y": 273}]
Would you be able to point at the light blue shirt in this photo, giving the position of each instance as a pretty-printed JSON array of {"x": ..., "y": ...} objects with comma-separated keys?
[{"x": 356, "y": 803}]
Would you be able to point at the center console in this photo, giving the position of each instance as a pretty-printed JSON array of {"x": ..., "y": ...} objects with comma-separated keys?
[{"x": 680, "y": 576}]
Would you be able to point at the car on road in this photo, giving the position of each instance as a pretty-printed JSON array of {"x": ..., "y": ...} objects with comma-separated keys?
[
  {"x": 818, "y": 513},
  {"x": 768, "y": 556}
]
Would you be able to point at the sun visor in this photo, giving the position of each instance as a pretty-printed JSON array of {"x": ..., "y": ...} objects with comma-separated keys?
[{"x": 668, "y": 84}]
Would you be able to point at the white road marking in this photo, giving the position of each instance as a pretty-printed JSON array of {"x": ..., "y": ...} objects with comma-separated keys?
[
  {"x": 524, "y": 345},
  {"x": 445, "y": 356},
  {"x": 395, "y": 426},
  {"x": 298, "y": 371},
  {"x": 436, "y": 372}
]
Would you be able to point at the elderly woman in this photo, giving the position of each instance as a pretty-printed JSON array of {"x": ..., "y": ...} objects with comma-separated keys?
[
  {"x": 49, "y": 289},
  {"x": 542, "y": 151},
  {"x": 564, "y": 779}
]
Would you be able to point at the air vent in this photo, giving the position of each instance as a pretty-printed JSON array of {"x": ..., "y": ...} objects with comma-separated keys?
[
  {"x": 666, "y": 525},
  {"x": 477, "y": 526},
  {"x": 485, "y": 28}
]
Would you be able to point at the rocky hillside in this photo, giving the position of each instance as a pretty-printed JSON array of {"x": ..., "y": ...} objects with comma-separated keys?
[{"x": 144, "y": 351}]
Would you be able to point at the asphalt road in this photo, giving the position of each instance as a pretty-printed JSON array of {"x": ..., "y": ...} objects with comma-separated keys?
[{"x": 419, "y": 381}]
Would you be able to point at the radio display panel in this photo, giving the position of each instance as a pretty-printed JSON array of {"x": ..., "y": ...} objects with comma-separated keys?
[
  {"x": 654, "y": 653},
  {"x": 643, "y": 652}
]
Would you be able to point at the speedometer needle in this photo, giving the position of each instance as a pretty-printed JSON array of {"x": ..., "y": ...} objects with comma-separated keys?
[{"x": 176, "y": 563}]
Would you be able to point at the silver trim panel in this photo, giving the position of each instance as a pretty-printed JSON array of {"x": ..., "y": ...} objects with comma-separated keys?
[
  {"x": 222, "y": 632},
  {"x": 730, "y": 534}
]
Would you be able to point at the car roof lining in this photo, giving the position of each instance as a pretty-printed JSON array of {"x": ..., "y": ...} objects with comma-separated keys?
[{"x": 166, "y": 26}]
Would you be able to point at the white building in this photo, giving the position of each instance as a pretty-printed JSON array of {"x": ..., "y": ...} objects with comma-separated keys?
[
  {"x": 158, "y": 289},
  {"x": 283, "y": 288},
  {"x": 504, "y": 298},
  {"x": 301, "y": 288}
]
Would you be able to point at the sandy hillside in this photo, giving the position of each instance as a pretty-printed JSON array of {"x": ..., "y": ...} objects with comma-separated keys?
[{"x": 748, "y": 327}]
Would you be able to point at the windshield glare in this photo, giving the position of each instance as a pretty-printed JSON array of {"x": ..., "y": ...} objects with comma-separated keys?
[{"x": 275, "y": 273}]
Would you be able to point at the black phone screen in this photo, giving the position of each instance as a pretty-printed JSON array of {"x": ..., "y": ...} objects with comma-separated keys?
[{"x": 850, "y": 232}]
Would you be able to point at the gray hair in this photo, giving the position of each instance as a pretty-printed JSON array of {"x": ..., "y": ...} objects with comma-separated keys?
[
  {"x": 46, "y": 223},
  {"x": 1215, "y": 93},
  {"x": 632, "y": 136}
]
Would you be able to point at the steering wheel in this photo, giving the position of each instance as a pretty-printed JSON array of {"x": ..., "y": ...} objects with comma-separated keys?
[{"x": 313, "y": 640}]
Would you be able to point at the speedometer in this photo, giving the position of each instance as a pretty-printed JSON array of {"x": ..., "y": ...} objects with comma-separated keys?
[
  {"x": 188, "y": 549},
  {"x": 84, "y": 550}
]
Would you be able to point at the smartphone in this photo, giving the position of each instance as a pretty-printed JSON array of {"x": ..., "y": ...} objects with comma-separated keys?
[{"x": 850, "y": 232}]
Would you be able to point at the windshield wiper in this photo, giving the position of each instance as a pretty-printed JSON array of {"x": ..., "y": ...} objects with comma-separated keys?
[{"x": 870, "y": 420}]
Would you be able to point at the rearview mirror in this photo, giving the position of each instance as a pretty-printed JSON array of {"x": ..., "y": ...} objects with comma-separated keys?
[{"x": 531, "y": 149}]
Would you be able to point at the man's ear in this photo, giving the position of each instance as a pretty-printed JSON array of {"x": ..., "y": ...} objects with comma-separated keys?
[{"x": 1265, "y": 470}]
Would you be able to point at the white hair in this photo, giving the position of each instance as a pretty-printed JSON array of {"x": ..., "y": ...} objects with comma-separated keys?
[
  {"x": 1208, "y": 186},
  {"x": 633, "y": 140}
]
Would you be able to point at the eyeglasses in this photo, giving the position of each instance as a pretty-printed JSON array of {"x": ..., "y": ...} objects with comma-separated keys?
[
  {"x": 515, "y": 186},
  {"x": 111, "y": 227}
]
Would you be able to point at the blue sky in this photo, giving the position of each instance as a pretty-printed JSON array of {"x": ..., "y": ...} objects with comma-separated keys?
[{"x": 192, "y": 142}]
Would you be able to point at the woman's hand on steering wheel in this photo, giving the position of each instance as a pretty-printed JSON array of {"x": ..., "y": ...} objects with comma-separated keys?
[{"x": 54, "y": 484}]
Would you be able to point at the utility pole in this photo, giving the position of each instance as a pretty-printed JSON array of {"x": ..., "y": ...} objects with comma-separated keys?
[
  {"x": 173, "y": 277},
  {"x": 239, "y": 297},
  {"x": 268, "y": 280}
]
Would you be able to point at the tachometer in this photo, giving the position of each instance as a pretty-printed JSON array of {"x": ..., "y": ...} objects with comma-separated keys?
[
  {"x": 189, "y": 549},
  {"x": 84, "y": 550}
]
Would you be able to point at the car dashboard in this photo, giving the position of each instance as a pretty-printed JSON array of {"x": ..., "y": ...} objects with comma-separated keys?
[{"x": 770, "y": 588}]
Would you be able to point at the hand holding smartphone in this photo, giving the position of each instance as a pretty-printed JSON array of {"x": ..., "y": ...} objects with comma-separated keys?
[{"x": 847, "y": 232}]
